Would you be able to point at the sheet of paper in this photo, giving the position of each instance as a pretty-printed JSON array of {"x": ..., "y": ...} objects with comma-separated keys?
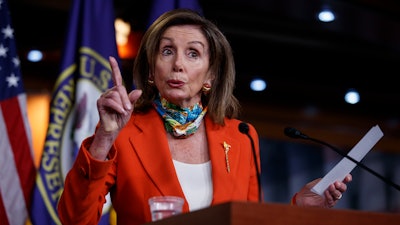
[{"x": 345, "y": 166}]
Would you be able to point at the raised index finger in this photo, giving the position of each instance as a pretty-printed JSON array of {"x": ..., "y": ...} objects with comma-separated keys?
[{"x": 115, "y": 72}]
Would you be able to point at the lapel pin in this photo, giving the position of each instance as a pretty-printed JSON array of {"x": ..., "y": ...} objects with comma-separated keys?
[{"x": 226, "y": 150}]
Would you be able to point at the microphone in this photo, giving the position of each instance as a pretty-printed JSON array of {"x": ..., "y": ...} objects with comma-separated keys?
[
  {"x": 294, "y": 133},
  {"x": 244, "y": 129}
]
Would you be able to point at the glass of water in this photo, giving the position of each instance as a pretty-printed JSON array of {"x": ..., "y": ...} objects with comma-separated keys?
[{"x": 165, "y": 206}]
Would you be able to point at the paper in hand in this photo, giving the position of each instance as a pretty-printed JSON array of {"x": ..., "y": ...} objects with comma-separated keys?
[{"x": 345, "y": 166}]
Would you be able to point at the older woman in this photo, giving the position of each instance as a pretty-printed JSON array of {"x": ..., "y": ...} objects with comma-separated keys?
[{"x": 175, "y": 134}]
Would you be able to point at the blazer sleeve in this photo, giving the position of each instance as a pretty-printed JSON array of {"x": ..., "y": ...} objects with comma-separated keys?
[{"x": 85, "y": 188}]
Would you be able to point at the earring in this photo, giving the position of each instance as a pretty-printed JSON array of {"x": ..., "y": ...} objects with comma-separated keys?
[{"x": 206, "y": 88}]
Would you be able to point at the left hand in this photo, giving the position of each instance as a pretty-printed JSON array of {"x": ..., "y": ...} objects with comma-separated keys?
[{"x": 305, "y": 197}]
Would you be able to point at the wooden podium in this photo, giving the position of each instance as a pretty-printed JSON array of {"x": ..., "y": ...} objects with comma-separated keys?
[{"x": 250, "y": 213}]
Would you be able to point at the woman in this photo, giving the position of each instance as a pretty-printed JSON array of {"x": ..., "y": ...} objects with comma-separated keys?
[{"x": 175, "y": 134}]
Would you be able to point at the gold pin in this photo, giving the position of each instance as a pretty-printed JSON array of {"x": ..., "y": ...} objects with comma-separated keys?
[{"x": 226, "y": 148}]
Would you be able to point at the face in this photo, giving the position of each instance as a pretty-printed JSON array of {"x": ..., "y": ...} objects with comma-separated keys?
[{"x": 182, "y": 65}]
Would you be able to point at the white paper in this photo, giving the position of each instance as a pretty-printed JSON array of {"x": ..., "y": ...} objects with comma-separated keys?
[{"x": 345, "y": 166}]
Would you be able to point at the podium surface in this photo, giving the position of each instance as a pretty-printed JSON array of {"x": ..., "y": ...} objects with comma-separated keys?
[{"x": 249, "y": 213}]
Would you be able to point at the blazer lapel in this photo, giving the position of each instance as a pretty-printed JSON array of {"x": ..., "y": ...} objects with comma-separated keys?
[
  {"x": 154, "y": 153},
  {"x": 224, "y": 164}
]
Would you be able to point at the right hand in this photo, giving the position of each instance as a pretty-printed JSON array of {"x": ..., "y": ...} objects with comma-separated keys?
[{"x": 115, "y": 107}]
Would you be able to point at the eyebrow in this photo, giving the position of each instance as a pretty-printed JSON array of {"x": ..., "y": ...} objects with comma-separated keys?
[{"x": 190, "y": 42}]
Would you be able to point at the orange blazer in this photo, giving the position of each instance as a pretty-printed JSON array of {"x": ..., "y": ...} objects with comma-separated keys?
[{"x": 140, "y": 166}]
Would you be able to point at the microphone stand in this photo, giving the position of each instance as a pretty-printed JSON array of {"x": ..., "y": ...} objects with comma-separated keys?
[{"x": 244, "y": 129}]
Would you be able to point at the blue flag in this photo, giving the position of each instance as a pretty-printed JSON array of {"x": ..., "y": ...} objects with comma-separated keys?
[
  {"x": 85, "y": 74},
  {"x": 161, "y": 6}
]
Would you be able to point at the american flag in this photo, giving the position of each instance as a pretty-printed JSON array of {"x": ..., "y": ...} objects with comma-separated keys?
[{"x": 17, "y": 168}]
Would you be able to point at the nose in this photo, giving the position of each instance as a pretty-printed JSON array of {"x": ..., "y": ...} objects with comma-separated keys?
[{"x": 178, "y": 63}]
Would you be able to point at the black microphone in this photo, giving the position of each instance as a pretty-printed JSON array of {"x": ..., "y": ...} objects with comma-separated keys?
[
  {"x": 294, "y": 133},
  {"x": 244, "y": 129}
]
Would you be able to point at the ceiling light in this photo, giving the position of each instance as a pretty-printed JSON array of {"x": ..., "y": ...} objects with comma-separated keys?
[
  {"x": 258, "y": 85},
  {"x": 352, "y": 96},
  {"x": 326, "y": 16},
  {"x": 34, "y": 55}
]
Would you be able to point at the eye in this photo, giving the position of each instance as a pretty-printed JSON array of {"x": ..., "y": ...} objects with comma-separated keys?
[
  {"x": 193, "y": 54},
  {"x": 166, "y": 51}
]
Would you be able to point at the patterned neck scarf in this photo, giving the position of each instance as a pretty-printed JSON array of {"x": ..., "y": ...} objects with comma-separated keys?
[{"x": 180, "y": 122}]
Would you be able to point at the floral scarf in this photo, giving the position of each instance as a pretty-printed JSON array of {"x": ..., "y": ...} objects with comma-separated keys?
[{"x": 180, "y": 122}]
